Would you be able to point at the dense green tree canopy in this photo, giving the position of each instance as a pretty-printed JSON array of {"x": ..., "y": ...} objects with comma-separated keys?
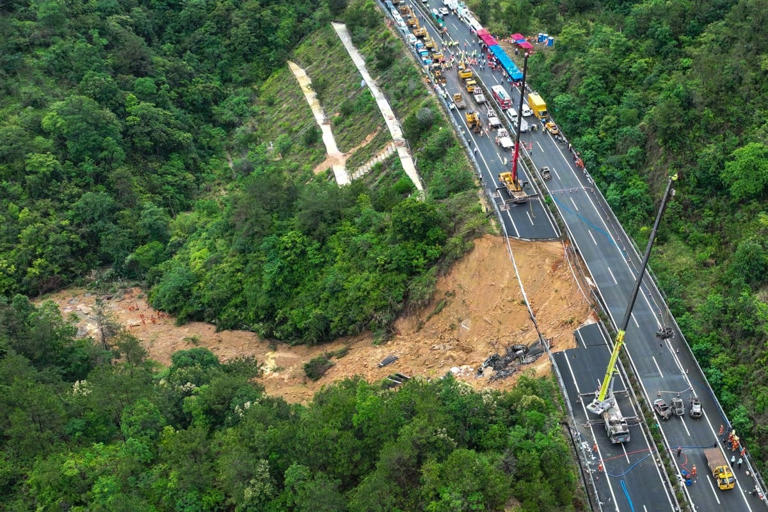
[{"x": 109, "y": 431}]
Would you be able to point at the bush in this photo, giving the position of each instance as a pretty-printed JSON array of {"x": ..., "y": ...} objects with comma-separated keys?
[
  {"x": 317, "y": 367},
  {"x": 311, "y": 136}
]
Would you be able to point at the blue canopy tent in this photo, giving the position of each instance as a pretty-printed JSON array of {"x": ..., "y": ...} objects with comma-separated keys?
[{"x": 506, "y": 62}]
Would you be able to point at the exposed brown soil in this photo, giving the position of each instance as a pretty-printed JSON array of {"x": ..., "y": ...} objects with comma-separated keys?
[
  {"x": 477, "y": 310},
  {"x": 341, "y": 158}
]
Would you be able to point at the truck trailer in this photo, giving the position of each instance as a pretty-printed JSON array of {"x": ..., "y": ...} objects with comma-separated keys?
[
  {"x": 537, "y": 105},
  {"x": 719, "y": 469}
]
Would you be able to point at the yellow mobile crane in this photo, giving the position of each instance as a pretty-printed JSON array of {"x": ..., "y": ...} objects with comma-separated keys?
[{"x": 604, "y": 403}]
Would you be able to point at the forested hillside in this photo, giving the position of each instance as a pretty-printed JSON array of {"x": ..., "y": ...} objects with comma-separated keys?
[
  {"x": 136, "y": 137},
  {"x": 84, "y": 428},
  {"x": 645, "y": 89},
  {"x": 114, "y": 117}
]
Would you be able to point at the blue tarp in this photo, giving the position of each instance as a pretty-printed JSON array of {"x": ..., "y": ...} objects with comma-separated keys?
[{"x": 506, "y": 62}]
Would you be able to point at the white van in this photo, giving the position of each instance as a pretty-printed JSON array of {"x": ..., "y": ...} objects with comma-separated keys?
[
  {"x": 527, "y": 112},
  {"x": 512, "y": 116}
]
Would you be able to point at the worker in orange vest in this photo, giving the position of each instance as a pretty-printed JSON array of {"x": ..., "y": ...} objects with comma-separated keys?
[{"x": 693, "y": 471}]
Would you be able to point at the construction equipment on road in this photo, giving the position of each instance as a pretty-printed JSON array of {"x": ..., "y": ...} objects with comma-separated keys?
[
  {"x": 464, "y": 71},
  {"x": 616, "y": 426},
  {"x": 458, "y": 100},
  {"x": 473, "y": 121},
  {"x": 412, "y": 22},
  {"x": 719, "y": 469},
  {"x": 503, "y": 139},
  {"x": 537, "y": 105},
  {"x": 605, "y": 400},
  {"x": 437, "y": 72},
  {"x": 429, "y": 43},
  {"x": 470, "y": 84},
  {"x": 420, "y": 32},
  {"x": 511, "y": 185},
  {"x": 509, "y": 179}
]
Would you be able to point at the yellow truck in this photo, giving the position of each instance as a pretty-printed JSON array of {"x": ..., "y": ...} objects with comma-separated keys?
[
  {"x": 719, "y": 469},
  {"x": 470, "y": 85},
  {"x": 464, "y": 71},
  {"x": 537, "y": 105}
]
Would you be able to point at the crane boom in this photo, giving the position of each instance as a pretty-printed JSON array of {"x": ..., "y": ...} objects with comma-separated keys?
[{"x": 603, "y": 400}]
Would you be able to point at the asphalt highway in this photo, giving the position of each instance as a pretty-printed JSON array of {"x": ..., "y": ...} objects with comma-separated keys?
[
  {"x": 622, "y": 472},
  {"x": 529, "y": 221},
  {"x": 666, "y": 368}
]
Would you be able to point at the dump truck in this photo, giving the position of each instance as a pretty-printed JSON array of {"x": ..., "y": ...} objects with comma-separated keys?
[
  {"x": 420, "y": 32},
  {"x": 503, "y": 139},
  {"x": 458, "y": 100},
  {"x": 464, "y": 71},
  {"x": 719, "y": 469},
  {"x": 537, "y": 105},
  {"x": 473, "y": 121}
]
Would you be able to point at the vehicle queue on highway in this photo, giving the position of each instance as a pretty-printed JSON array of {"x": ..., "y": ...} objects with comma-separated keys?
[{"x": 610, "y": 259}]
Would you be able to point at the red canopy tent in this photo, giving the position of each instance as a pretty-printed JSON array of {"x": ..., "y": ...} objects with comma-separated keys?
[
  {"x": 488, "y": 39},
  {"x": 517, "y": 37},
  {"x": 483, "y": 32},
  {"x": 525, "y": 45}
]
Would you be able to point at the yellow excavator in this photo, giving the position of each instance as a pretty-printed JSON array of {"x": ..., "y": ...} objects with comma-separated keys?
[
  {"x": 473, "y": 121},
  {"x": 604, "y": 403}
]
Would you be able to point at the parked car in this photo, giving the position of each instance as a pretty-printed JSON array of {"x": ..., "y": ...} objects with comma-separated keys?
[
  {"x": 444, "y": 11},
  {"x": 662, "y": 409},
  {"x": 695, "y": 408},
  {"x": 677, "y": 406}
]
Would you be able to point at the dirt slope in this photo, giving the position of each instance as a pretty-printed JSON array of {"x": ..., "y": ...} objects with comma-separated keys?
[{"x": 477, "y": 310}]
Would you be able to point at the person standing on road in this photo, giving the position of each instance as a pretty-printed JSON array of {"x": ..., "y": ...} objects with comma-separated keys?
[{"x": 739, "y": 462}]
